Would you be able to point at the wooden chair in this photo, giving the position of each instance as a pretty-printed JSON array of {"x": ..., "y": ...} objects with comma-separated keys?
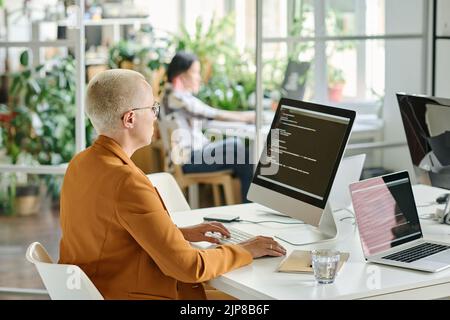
[{"x": 216, "y": 179}]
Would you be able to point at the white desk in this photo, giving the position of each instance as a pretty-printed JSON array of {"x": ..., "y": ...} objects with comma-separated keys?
[
  {"x": 356, "y": 280},
  {"x": 364, "y": 128}
]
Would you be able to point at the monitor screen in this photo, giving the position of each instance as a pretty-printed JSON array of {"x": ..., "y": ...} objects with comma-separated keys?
[
  {"x": 293, "y": 86},
  {"x": 426, "y": 121},
  {"x": 385, "y": 212},
  {"x": 303, "y": 150}
]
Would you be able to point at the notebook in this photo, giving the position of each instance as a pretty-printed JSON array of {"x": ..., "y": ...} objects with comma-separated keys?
[{"x": 299, "y": 261}]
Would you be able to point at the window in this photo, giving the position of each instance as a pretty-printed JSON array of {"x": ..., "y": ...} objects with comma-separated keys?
[{"x": 345, "y": 42}]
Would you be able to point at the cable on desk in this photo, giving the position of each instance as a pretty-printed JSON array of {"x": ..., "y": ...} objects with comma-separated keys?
[
  {"x": 269, "y": 221},
  {"x": 349, "y": 211}
]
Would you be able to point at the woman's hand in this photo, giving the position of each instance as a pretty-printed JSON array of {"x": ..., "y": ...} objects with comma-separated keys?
[
  {"x": 198, "y": 232},
  {"x": 263, "y": 246},
  {"x": 240, "y": 116}
]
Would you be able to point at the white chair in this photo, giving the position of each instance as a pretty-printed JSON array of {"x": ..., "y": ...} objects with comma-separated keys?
[
  {"x": 62, "y": 281},
  {"x": 170, "y": 191}
]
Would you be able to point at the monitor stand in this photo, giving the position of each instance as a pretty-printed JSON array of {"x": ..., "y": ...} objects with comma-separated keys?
[{"x": 326, "y": 231}]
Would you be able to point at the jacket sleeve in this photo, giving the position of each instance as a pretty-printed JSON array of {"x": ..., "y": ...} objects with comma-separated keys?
[{"x": 142, "y": 214}]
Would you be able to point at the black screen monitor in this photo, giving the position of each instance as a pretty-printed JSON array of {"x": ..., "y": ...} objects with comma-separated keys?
[
  {"x": 293, "y": 86},
  {"x": 426, "y": 121}
]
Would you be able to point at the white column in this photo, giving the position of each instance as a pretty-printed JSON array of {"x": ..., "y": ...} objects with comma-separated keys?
[
  {"x": 259, "y": 87},
  {"x": 80, "y": 128},
  {"x": 320, "y": 58}
]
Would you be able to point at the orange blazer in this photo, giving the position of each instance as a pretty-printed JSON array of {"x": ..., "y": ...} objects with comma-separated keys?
[{"x": 115, "y": 227}]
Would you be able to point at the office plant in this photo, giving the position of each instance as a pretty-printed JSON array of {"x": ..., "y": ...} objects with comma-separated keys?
[
  {"x": 228, "y": 74},
  {"x": 38, "y": 126},
  {"x": 144, "y": 52},
  {"x": 336, "y": 83}
]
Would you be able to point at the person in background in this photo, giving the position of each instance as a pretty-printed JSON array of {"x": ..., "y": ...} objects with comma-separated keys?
[
  {"x": 115, "y": 226},
  {"x": 181, "y": 105}
]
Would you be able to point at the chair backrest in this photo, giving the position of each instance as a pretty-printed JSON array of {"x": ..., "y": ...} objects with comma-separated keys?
[
  {"x": 165, "y": 132},
  {"x": 62, "y": 281},
  {"x": 169, "y": 191},
  {"x": 167, "y": 125}
]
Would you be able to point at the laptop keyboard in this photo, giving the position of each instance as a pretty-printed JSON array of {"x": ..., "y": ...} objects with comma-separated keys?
[
  {"x": 236, "y": 236},
  {"x": 418, "y": 252}
]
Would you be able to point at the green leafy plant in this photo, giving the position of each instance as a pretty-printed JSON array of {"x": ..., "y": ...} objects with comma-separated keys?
[
  {"x": 39, "y": 123},
  {"x": 150, "y": 59},
  {"x": 44, "y": 108},
  {"x": 123, "y": 51},
  {"x": 153, "y": 55},
  {"x": 228, "y": 74},
  {"x": 210, "y": 43}
]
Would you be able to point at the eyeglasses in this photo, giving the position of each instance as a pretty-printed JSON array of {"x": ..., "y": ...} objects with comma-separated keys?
[{"x": 155, "y": 108}]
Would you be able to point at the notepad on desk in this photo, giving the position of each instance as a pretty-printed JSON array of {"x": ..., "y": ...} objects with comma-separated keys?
[{"x": 299, "y": 261}]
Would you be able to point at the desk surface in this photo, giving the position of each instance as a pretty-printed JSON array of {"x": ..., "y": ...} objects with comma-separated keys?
[
  {"x": 356, "y": 280},
  {"x": 362, "y": 126}
]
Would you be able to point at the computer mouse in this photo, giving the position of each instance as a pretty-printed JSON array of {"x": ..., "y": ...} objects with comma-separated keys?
[{"x": 442, "y": 198}]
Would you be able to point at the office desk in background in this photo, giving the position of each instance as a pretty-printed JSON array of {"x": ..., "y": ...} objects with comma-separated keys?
[
  {"x": 356, "y": 280},
  {"x": 366, "y": 129}
]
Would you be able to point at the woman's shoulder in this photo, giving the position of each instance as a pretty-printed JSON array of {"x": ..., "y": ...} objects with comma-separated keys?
[{"x": 177, "y": 98}]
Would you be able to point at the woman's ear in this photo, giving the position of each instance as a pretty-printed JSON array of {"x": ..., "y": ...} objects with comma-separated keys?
[
  {"x": 129, "y": 119},
  {"x": 177, "y": 83}
]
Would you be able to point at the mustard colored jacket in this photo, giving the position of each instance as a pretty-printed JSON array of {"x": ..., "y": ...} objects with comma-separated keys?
[{"x": 116, "y": 229}]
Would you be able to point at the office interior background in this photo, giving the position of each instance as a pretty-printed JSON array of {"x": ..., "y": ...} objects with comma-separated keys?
[{"x": 354, "y": 54}]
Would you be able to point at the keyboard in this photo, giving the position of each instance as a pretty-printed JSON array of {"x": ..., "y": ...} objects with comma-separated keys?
[
  {"x": 418, "y": 252},
  {"x": 237, "y": 236}
]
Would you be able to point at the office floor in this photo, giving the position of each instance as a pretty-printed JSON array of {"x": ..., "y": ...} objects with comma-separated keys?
[{"x": 16, "y": 233}]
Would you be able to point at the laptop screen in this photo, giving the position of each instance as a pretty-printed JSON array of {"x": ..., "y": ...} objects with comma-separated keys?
[{"x": 385, "y": 212}]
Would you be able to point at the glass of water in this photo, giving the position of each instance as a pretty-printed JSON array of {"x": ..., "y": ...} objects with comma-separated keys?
[{"x": 325, "y": 264}]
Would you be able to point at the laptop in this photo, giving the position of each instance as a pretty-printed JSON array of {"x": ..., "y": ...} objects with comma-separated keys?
[{"x": 389, "y": 226}]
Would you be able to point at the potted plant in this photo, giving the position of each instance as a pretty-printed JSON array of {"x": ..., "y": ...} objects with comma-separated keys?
[
  {"x": 144, "y": 52},
  {"x": 228, "y": 74},
  {"x": 209, "y": 43},
  {"x": 27, "y": 197},
  {"x": 122, "y": 55},
  {"x": 336, "y": 83},
  {"x": 38, "y": 126}
]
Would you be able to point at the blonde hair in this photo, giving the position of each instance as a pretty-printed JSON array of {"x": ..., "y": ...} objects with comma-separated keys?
[{"x": 110, "y": 94}]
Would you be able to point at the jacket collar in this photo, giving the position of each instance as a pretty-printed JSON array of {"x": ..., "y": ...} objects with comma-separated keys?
[{"x": 114, "y": 147}]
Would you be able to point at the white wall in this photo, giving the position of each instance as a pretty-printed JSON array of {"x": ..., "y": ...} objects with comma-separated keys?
[
  {"x": 443, "y": 68},
  {"x": 443, "y": 18},
  {"x": 404, "y": 60},
  {"x": 443, "y": 50}
]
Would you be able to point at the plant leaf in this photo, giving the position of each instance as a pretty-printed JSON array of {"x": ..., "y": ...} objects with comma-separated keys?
[{"x": 24, "y": 58}]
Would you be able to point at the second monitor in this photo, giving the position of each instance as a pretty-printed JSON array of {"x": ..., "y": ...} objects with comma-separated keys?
[{"x": 298, "y": 165}]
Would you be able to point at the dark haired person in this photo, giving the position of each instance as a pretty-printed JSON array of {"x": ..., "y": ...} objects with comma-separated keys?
[{"x": 198, "y": 153}]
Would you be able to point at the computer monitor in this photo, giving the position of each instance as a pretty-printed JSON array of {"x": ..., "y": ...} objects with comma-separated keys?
[
  {"x": 294, "y": 82},
  {"x": 298, "y": 165},
  {"x": 426, "y": 121}
]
